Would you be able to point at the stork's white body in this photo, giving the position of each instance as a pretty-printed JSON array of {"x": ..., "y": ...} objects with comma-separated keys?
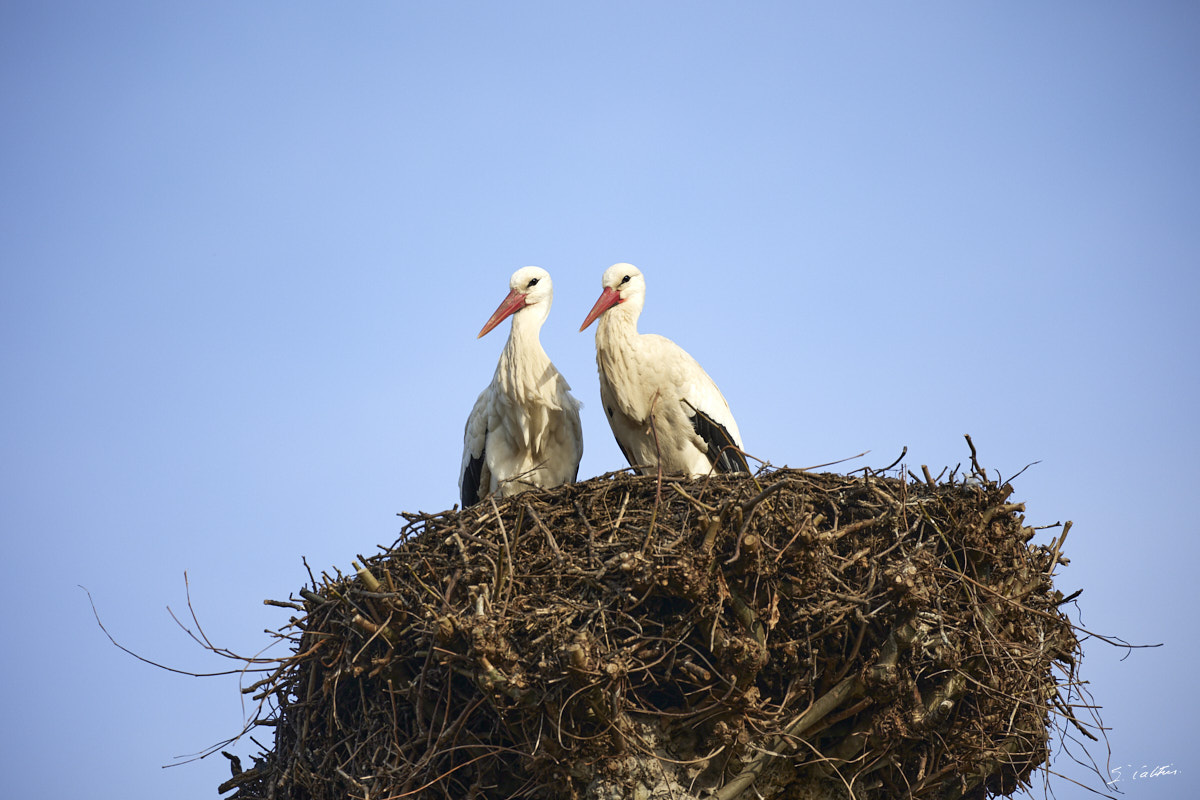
[
  {"x": 663, "y": 408},
  {"x": 524, "y": 429}
]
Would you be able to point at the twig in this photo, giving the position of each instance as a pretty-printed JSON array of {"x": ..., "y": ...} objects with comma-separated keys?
[
  {"x": 549, "y": 536},
  {"x": 504, "y": 566},
  {"x": 980, "y": 471},
  {"x": 899, "y": 458}
]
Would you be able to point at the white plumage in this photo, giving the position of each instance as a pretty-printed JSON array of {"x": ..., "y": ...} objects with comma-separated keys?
[
  {"x": 524, "y": 430},
  {"x": 645, "y": 377}
]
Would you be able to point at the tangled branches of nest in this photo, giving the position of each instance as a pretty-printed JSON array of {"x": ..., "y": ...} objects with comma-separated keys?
[{"x": 788, "y": 634}]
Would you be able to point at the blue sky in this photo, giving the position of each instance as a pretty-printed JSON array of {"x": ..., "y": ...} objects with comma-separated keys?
[{"x": 245, "y": 249}]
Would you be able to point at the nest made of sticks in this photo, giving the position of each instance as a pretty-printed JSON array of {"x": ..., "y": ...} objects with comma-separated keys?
[{"x": 802, "y": 634}]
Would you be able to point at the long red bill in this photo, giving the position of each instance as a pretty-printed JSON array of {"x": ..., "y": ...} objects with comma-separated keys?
[
  {"x": 510, "y": 305},
  {"x": 608, "y": 299}
]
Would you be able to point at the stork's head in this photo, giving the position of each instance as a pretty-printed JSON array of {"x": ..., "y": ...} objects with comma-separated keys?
[
  {"x": 622, "y": 283},
  {"x": 529, "y": 286}
]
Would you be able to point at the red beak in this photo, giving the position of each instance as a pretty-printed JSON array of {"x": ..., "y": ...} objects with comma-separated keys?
[
  {"x": 511, "y": 305},
  {"x": 608, "y": 299}
]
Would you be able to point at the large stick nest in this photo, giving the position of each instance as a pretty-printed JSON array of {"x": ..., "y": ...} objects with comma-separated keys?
[{"x": 807, "y": 635}]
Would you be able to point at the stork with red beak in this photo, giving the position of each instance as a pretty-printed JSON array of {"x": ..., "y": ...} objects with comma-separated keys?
[
  {"x": 663, "y": 408},
  {"x": 524, "y": 430}
]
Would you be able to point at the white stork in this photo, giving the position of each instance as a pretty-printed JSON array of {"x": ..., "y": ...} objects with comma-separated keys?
[
  {"x": 662, "y": 406},
  {"x": 524, "y": 430}
]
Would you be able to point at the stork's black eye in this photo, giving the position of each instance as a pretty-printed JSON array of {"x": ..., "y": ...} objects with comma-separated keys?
[
  {"x": 625, "y": 279},
  {"x": 532, "y": 283}
]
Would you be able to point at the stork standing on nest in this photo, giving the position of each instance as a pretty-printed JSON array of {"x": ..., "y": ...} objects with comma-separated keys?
[
  {"x": 664, "y": 410},
  {"x": 524, "y": 430}
]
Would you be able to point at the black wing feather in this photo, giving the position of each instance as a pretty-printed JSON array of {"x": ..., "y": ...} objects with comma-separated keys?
[
  {"x": 723, "y": 453},
  {"x": 471, "y": 477}
]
